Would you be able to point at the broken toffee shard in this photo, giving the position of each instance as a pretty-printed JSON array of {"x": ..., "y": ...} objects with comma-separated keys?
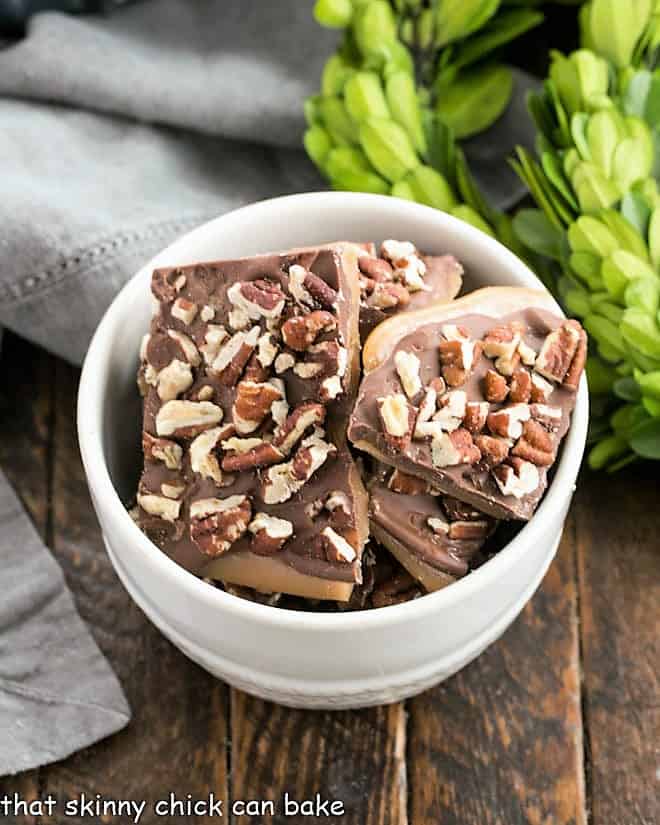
[
  {"x": 248, "y": 374},
  {"x": 434, "y": 537},
  {"x": 473, "y": 396}
]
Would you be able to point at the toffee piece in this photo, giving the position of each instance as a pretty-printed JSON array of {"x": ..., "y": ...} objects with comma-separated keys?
[
  {"x": 473, "y": 396},
  {"x": 248, "y": 374}
]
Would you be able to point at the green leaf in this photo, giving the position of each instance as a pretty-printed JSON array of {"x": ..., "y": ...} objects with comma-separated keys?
[
  {"x": 627, "y": 389},
  {"x": 364, "y": 97},
  {"x": 645, "y": 439},
  {"x": 636, "y": 211},
  {"x": 476, "y": 99},
  {"x": 600, "y": 376},
  {"x": 615, "y": 27},
  {"x": 388, "y": 148},
  {"x": 555, "y": 174},
  {"x": 637, "y": 92},
  {"x": 605, "y": 332},
  {"x": 334, "y": 14},
  {"x": 641, "y": 331},
  {"x": 429, "y": 187},
  {"x": 607, "y": 451},
  {"x": 507, "y": 26},
  {"x": 469, "y": 215},
  {"x": 336, "y": 72},
  {"x": 374, "y": 29},
  {"x": 534, "y": 230},
  {"x": 654, "y": 237},
  {"x": 337, "y": 121},
  {"x": 625, "y": 233},
  {"x": 317, "y": 145},
  {"x": 404, "y": 104},
  {"x": 649, "y": 383}
]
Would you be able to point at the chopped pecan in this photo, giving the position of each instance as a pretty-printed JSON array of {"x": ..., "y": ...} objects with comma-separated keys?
[
  {"x": 258, "y": 299},
  {"x": 454, "y": 448},
  {"x": 476, "y": 413},
  {"x": 572, "y": 377},
  {"x": 541, "y": 389},
  {"x": 204, "y": 393},
  {"x": 400, "y": 482},
  {"x": 184, "y": 311},
  {"x": 508, "y": 421},
  {"x": 301, "y": 331},
  {"x": 558, "y": 351},
  {"x": 216, "y": 523},
  {"x": 493, "y": 450},
  {"x": 284, "y": 362},
  {"x": 439, "y": 525},
  {"x": 254, "y": 371},
  {"x": 397, "y": 419},
  {"x": 306, "y": 415},
  {"x": 269, "y": 534},
  {"x": 172, "y": 490},
  {"x": 388, "y": 295},
  {"x": 263, "y": 454},
  {"x": 322, "y": 293},
  {"x": 207, "y": 313},
  {"x": 407, "y": 366},
  {"x": 252, "y": 404},
  {"x": 297, "y": 276},
  {"x": 438, "y": 384},
  {"x": 161, "y": 449},
  {"x": 266, "y": 349},
  {"x": 283, "y": 480},
  {"x": 535, "y": 445},
  {"x": 520, "y": 388},
  {"x": 338, "y": 505},
  {"x": 214, "y": 337},
  {"x": 457, "y": 510},
  {"x": 496, "y": 388},
  {"x": 337, "y": 549},
  {"x": 173, "y": 380},
  {"x": 453, "y": 406},
  {"x": 527, "y": 354},
  {"x": 547, "y": 415},
  {"x": 186, "y": 345},
  {"x": 160, "y": 506},
  {"x": 406, "y": 262},
  {"x": 185, "y": 419},
  {"x": 501, "y": 343},
  {"x": 517, "y": 478},
  {"x": 234, "y": 355},
  {"x": 203, "y": 459},
  {"x": 426, "y": 409},
  {"x": 377, "y": 269}
]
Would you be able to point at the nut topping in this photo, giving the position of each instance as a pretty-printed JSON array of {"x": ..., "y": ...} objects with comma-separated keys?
[
  {"x": 159, "y": 506},
  {"x": 234, "y": 355},
  {"x": 172, "y": 490},
  {"x": 454, "y": 448},
  {"x": 214, "y": 337},
  {"x": 187, "y": 418},
  {"x": 166, "y": 284},
  {"x": 558, "y": 351},
  {"x": 203, "y": 459},
  {"x": 469, "y": 530},
  {"x": 397, "y": 419},
  {"x": 377, "y": 269},
  {"x": 297, "y": 423},
  {"x": 218, "y": 523},
  {"x": 502, "y": 343},
  {"x": 508, "y": 421},
  {"x": 269, "y": 533},
  {"x": 187, "y": 346},
  {"x": 408, "y": 366},
  {"x": 407, "y": 265},
  {"x": 257, "y": 299},
  {"x": 535, "y": 445},
  {"x": 549, "y": 416},
  {"x": 297, "y": 277},
  {"x": 495, "y": 387},
  {"x": 520, "y": 389},
  {"x": 262, "y": 454},
  {"x": 161, "y": 449},
  {"x": 518, "y": 478},
  {"x": 387, "y": 296},
  {"x": 184, "y": 310},
  {"x": 207, "y": 313},
  {"x": 174, "y": 379},
  {"x": 322, "y": 293},
  {"x": 337, "y": 549},
  {"x": 493, "y": 450},
  {"x": 301, "y": 331},
  {"x": 476, "y": 413},
  {"x": 283, "y": 480},
  {"x": 252, "y": 404},
  {"x": 266, "y": 349},
  {"x": 541, "y": 389},
  {"x": 439, "y": 526},
  {"x": 457, "y": 359}
]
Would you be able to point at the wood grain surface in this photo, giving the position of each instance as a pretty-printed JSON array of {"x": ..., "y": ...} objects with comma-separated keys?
[{"x": 516, "y": 738}]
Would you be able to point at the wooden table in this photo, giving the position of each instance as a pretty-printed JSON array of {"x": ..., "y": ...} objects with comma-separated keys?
[{"x": 556, "y": 723}]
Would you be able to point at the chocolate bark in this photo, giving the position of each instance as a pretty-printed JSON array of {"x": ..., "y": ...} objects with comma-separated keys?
[
  {"x": 456, "y": 359},
  {"x": 248, "y": 373}
]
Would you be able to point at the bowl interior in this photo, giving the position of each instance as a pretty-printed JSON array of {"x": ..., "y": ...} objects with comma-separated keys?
[{"x": 108, "y": 387}]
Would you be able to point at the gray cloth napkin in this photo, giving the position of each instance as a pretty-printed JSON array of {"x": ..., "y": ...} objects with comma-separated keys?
[{"x": 116, "y": 135}]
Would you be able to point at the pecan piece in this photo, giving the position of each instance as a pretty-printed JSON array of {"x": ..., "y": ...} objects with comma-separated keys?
[
  {"x": 263, "y": 454},
  {"x": 495, "y": 387},
  {"x": 407, "y": 264},
  {"x": 173, "y": 379},
  {"x": 535, "y": 445},
  {"x": 508, "y": 422},
  {"x": 203, "y": 459},
  {"x": 457, "y": 360},
  {"x": 377, "y": 269},
  {"x": 517, "y": 478},
  {"x": 252, "y": 404},
  {"x": 185, "y": 419},
  {"x": 476, "y": 413},
  {"x": 454, "y": 448},
  {"x": 160, "y": 506},
  {"x": 167, "y": 283},
  {"x": 269, "y": 534},
  {"x": 257, "y": 299},
  {"x": 388, "y": 295},
  {"x": 493, "y": 450},
  {"x": 217, "y": 523},
  {"x": 541, "y": 389},
  {"x": 336, "y": 548},
  {"x": 301, "y": 331},
  {"x": 234, "y": 355},
  {"x": 283, "y": 480},
  {"x": 397, "y": 418},
  {"x": 501, "y": 343},
  {"x": 407, "y": 366},
  {"x": 322, "y": 293},
  {"x": 520, "y": 388},
  {"x": 306, "y": 415},
  {"x": 558, "y": 351},
  {"x": 184, "y": 311},
  {"x": 469, "y": 530},
  {"x": 547, "y": 415},
  {"x": 572, "y": 377},
  {"x": 162, "y": 449}
]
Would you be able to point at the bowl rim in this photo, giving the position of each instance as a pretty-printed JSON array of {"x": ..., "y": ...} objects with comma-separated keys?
[{"x": 90, "y": 435}]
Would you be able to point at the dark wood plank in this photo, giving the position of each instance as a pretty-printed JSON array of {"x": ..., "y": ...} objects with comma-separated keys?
[
  {"x": 25, "y": 424},
  {"x": 177, "y": 741},
  {"x": 356, "y": 757},
  {"x": 500, "y": 743},
  {"x": 618, "y": 528}
]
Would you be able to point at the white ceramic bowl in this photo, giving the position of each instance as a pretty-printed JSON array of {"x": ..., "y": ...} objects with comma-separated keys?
[{"x": 296, "y": 658}]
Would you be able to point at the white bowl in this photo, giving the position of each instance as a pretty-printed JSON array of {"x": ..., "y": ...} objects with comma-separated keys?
[{"x": 324, "y": 660}]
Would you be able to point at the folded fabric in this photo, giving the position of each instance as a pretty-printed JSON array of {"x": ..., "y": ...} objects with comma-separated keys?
[{"x": 57, "y": 692}]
